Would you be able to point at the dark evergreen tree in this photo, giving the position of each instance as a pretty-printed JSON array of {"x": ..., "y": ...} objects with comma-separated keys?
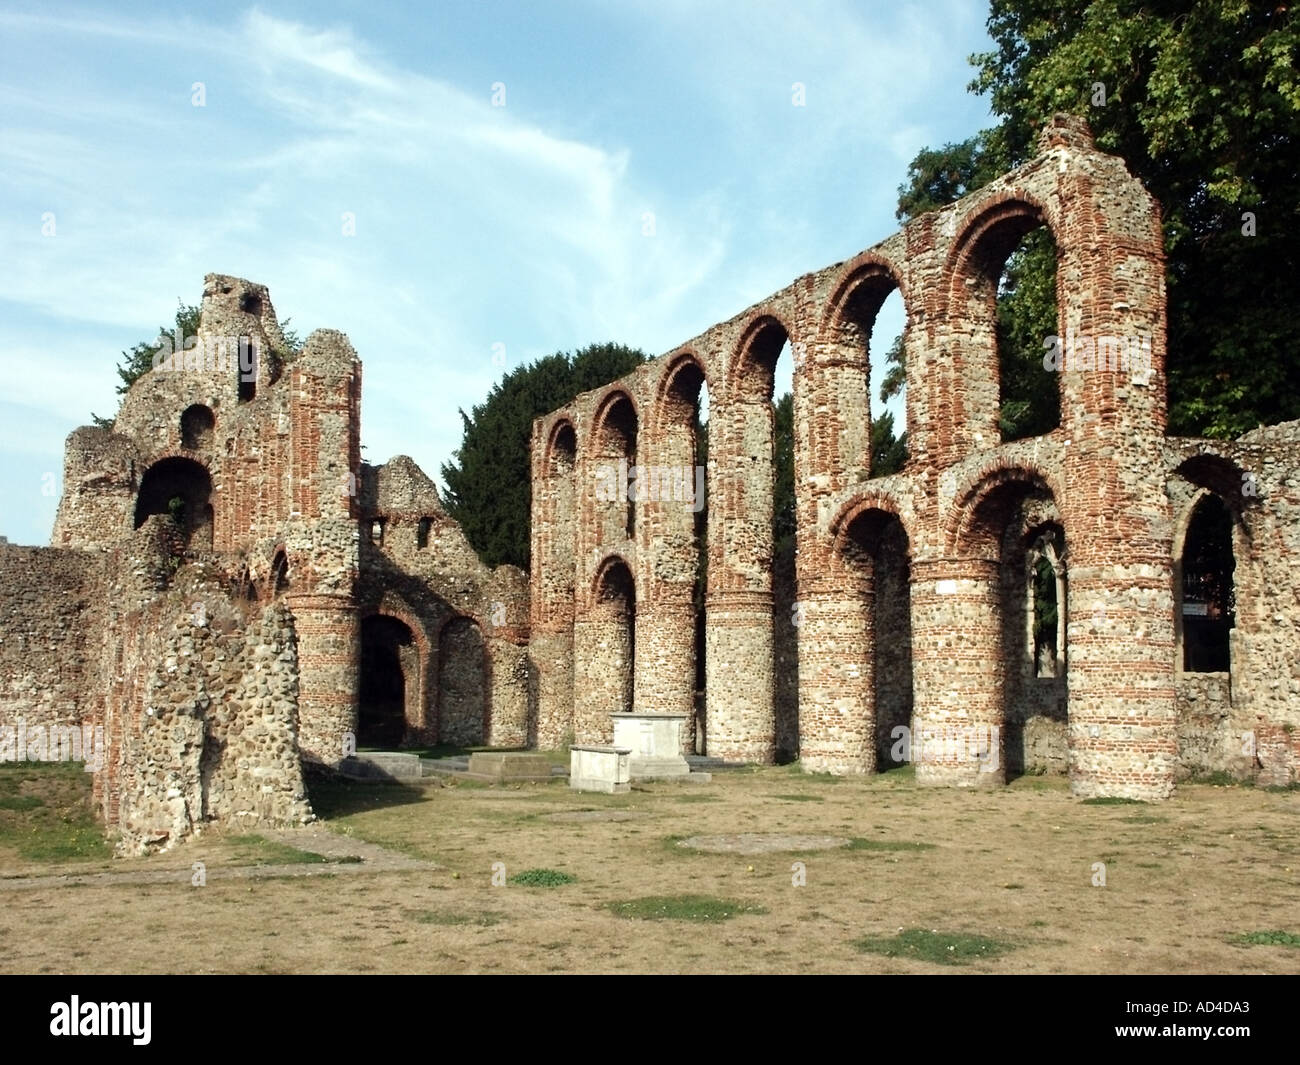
[{"x": 487, "y": 486}]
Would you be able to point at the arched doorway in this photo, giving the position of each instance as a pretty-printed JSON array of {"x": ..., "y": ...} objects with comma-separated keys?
[{"x": 389, "y": 679}]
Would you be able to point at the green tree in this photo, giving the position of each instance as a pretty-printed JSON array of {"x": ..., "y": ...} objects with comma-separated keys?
[
  {"x": 888, "y": 452},
  {"x": 488, "y": 483},
  {"x": 138, "y": 360},
  {"x": 1202, "y": 101}
]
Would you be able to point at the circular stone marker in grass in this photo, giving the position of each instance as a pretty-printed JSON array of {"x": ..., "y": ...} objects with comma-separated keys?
[{"x": 762, "y": 843}]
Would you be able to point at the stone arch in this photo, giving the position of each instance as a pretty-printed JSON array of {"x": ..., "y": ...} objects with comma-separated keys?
[
  {"x": 973, "y": 269},
  {"x": 850, "y": 318},
  {"x": 753, "y": 365},
  {"x": 972, "y": 517},
  {"x": 674, "y": 499},
  {"x": 182, "y": 487},
  {"x": 605, "y": 650},
  {"x": 978, "y": 699},
  {"x": 678, "y": 391},
  {"x": 415, "y": 660},
  {"x": 196, "y": 427},
  {"x": 561, "y": 448},
  {"x": 612, "y": 452},
  {"x": 884, "y": 502},
  {"x": 464, "y": 703},
  {"x": 1218, "y": 474},
  {"x": 872, "y": 650}
]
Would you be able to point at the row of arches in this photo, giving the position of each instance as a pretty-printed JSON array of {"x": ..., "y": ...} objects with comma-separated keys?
[
  {"x": 999, "y": 361},
  {"x": 1013, "y": 646}
]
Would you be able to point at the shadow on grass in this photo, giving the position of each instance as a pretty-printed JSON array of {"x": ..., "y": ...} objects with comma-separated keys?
[{"x": 333, "y": 796}]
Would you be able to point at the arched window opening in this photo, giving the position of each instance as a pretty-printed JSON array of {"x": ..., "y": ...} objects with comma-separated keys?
[
  {"x": 197, "y": 423},
  {"x": 1208, "y": 593},
  {"x": 616, "y": 610},
  {"x": 616, "y": 455},
  {"x": 1046, "y": 584},
  {"x": 279, "y": 574},
  {"x": 1010, "y": 275},
  {"x": 1029, "y": 399},
  {"x": 247, "y": 369},
  {"x": 887, "y": 385},
  {"x": 872, "y": 322},
  {"x": 677, "y": 502},
  {"x": 700, "y": 591}
]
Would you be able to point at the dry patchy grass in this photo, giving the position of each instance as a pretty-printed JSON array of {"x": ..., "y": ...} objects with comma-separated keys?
[{"x": 1209, "y": 882}]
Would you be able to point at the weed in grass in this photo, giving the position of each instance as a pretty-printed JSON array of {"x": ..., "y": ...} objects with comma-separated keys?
[
  {"x": 683, "y": 908},
  {"x": 1268, "y": 939},
  {"x": 941, "y": 948},
  {"x": 21, "y": 802},
  {"x": 1112, "y": 800},
  {"x": 542, "y": 878}
]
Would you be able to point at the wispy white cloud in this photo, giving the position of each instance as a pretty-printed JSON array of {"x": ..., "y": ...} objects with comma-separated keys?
[{"x": 475, "y": 225}]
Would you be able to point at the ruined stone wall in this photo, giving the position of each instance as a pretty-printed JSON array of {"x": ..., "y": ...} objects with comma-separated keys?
[
  {"x": 469, "y": 622},
  {"x": 1246, "y": 722},
  {"x": 961, "y": 507},
  {"x": 43, "y": 636},
  {"x": 216, "y": 740},
  {"x": 217, "y": 566}
]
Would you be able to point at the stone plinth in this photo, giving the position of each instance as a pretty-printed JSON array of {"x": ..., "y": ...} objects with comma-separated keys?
[
  {"x": 504, "y": 766},
  {"x": 599, "y": 768},
  {"x": 655, "y": 743}
]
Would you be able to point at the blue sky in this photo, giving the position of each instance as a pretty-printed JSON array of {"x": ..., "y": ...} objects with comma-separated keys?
[{"x": 476, "y": 225}]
